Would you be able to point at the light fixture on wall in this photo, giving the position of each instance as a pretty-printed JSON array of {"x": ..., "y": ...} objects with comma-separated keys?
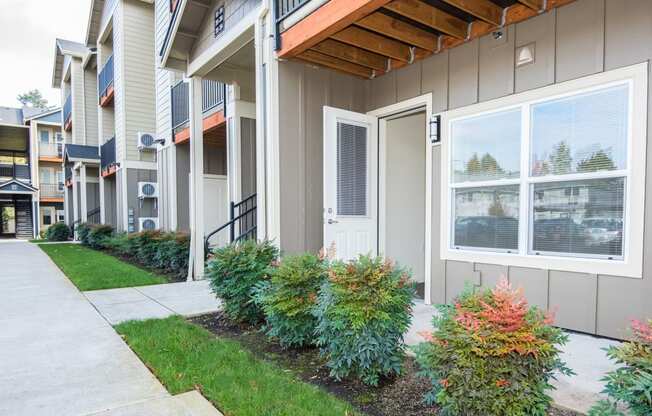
[
  {"x": 525, "y": 55},
  {"x": 434, "y": 126}
]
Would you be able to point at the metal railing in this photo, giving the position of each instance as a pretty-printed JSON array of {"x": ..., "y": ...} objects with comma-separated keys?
[
  {"x": 105, "y": 78},
  {"x": 67, "y": 109},
  {"x": 93, "y": 216},
  {"x": 242, "y": 224},
  {"x": 51, "y": 149},
  {"x": 14, "y": 165},
  {"x": 284, "y": 9},
  {"x": 213, "y": 93},
  {"x": 107, "y": 153},
  {"x": 51, "y": 190}
]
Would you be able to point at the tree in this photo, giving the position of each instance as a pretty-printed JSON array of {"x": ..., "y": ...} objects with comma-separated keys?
[
  {"x": 599, "y": 160},
  {"x": 33, "y": 98},
  {"x": 560, "y": 159},
  {"x": 489, "y": 165},
  {"x": 473, "y": 166}
]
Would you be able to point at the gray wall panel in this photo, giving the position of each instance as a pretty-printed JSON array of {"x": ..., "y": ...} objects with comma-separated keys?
[
  {"x": 408, "y": 82},
  {"x": 573, "y": 296},
  {"x": 490, "y": 274},
  {"x": 248, "y": 156},
  {"x": 496, "y": 67},
  {"x": 435, "y": 80},
  {"x": 463, "y": 75},
  {"x": 539, "y": 31},
  {"x": 580, "y": 39},
  {"x": 458, "y": 275},
  {"x": 383, "y": 90},
  {"x": 438, "y": 266},
  {"x": 183, "y": 187},
  {"x": 534, "y": 282}
]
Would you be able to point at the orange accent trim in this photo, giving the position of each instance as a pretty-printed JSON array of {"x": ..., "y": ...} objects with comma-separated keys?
[
  {"x": 110, "y": 171},
  {"x": 107, "y": 99},
  {"x": 209, "y": 123},
  {"x": 51, "y": 199},
  {"x": 329, "y": 19},
  {"x": 67, "y": 126},
  {"x": 54, "y": 159}
]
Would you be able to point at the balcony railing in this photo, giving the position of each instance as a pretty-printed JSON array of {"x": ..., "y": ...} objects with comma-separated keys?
[
  {"x": 107, "y": 154},
  {"x": 67, "y": 109},
  {"x": 283, "y": 10},
  {"x": 213, "y": 93},
  {"x": 12, "y": 171},
  {"x": 51, "y": 190},
  {"x": 105, "y": 78},
  {"x": 51, "y": 149}
]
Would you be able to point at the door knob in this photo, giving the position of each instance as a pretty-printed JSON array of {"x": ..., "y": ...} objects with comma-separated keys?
[{"x": 331, "y": 221}]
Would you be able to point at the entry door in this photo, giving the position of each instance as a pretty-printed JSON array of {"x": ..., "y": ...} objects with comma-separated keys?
[
  {"x": 350, "y": 183},
  {"x": 216, "y": 207}
]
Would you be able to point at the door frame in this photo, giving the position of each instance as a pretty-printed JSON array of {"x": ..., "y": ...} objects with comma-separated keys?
[{"x": 422, "y": 101}]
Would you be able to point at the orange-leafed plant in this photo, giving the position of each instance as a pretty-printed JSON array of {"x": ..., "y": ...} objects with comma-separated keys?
[{"x": 492, "y": 353}]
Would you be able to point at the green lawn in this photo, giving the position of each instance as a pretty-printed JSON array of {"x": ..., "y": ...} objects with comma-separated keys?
[
  {"x": 183, "y": 356},
  {"x": 92, "y": 270}
]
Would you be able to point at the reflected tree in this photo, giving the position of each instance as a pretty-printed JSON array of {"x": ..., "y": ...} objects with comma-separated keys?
[
  {"x": 598, "y": 161},
  {"x": 560, "y": 159}
]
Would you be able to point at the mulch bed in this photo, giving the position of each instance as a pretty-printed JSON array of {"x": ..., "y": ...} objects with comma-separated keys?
[
  {"x": 401, "y": 396},
  {"x": 170, "y": 277}
]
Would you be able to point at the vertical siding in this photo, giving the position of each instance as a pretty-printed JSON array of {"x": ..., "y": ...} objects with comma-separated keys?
[{"x": 583, "y": 38}]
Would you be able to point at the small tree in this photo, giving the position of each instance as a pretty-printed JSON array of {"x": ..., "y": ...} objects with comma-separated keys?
[{"x": 33, "y": 98}]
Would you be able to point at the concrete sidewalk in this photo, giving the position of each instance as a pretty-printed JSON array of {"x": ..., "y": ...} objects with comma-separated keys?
[
  {"x": 156, "y": 301},
  {"x": 58, "y": 356},
  {"x": 584, "y": 354}
]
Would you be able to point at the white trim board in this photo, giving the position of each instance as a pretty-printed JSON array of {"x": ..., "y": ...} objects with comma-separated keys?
[
  {"x": 632, "y": 265},
  {"x": 422, "y": 101}
]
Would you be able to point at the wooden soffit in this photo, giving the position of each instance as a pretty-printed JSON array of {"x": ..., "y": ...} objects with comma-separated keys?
[{"x": 368, "y": 38}]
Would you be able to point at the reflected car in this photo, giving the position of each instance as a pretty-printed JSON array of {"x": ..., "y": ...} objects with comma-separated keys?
[{"x": 487, "y": 232}]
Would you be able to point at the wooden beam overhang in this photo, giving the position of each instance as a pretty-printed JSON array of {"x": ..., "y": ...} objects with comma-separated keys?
[{"x": 368, "y": 38}]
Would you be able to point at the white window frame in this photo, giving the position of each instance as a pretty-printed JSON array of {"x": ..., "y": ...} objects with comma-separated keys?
[{"x": 631, "y": 265}]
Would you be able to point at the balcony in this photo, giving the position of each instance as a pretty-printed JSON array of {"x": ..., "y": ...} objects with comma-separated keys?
[
  {"x": 107, "y": 158},
  {"x": 213, "y": 94},
  {"x": 51, "y": 152},
  {"x": 51, "y": 192},
  {"x": 67, "y": 114},
  {"x": 105, "y": 83}
]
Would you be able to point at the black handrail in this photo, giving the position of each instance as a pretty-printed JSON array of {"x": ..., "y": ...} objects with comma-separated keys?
[
  {"x": 246, "y": 219},
  {"x": 93, "y": 216}
]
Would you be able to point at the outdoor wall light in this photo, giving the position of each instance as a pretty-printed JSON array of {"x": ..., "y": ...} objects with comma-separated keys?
[{"x": 435, "y": 128}]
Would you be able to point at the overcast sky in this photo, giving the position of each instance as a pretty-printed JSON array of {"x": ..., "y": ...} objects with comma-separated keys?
[{"x": 28, "y": 29}]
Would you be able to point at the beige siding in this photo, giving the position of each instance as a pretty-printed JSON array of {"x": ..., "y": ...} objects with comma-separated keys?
[
  {"x": 614, "y": 33},
  {"x": 90, "y": 106},
  {"x": 234, "y": 11},
  {"x": 77, "y": 91},
  {"x": 119, "y": 88}
]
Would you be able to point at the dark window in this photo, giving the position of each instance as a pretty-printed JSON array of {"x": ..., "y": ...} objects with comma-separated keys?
[{"x": 47, "y": 219}]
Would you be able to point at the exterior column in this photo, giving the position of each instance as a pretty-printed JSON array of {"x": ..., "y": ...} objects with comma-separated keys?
[
  {"x": 196, "y": 180},
  {"x": 75, "y": 200},
  {"x": 83, "y": 200},
  {"x": 102, "y": 207}
]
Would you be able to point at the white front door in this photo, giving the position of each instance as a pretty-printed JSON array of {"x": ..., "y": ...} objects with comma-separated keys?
[{"x": 350, "y": 183}]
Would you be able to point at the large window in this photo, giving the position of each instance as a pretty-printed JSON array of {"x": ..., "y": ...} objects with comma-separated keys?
[{"x": 552, "y": 178}]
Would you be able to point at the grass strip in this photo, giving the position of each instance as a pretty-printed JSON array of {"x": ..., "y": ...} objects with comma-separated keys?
[
  {"x": 185, "y": 357},
  {"x": 92, "y": 270}
]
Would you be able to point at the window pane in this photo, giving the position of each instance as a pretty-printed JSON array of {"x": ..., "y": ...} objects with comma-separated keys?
[
  {"x": 579, "y": 217},
  {"x": 487, "y": 217},
  {"x": 583, "y": 133},
  {"x": 351, "y": 169},
  {"x": 45, "y": 136},
  {"x": 486, "y": 147}
]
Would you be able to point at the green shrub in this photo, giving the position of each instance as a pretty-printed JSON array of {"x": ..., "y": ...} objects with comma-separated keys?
[
  {"x": 58, "y": 232},
  {"x": 631, "y": 384},
  {"x": 98, "y": 235},
  {"x": 83, "y": 230},
  {"x": 491, "y": 354},
  {"x": 172, "y": 253},
  {"x": 117, "y": 244},
  {"x": 288, "y": 299},
  {"x": 235, "y": 270},
  {"x": 364, "y": 308}
]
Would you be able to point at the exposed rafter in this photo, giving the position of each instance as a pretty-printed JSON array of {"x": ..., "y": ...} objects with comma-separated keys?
[
  {"x": 337, "y": 64},
  {"x": 430, "y": 16},
  {"x": 482, "y": 9},
  {"x": 533, "y": 4},
  {"x": 375, "y": 43},
  {"x": 353, "y": 54},
  {"x": 399, "y": 30}
]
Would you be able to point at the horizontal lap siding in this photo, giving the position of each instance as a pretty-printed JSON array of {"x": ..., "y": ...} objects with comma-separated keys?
[{"x": 612, "y": 34}]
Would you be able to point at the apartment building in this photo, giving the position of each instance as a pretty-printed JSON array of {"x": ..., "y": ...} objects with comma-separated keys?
[
  {"x": 31, "y": 171},
  {"x": 466, "y": 140},
  {"x": 74, "y": 73}
]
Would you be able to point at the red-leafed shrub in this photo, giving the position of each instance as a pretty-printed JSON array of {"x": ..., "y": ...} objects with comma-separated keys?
[{"x": 492, "y": 354}]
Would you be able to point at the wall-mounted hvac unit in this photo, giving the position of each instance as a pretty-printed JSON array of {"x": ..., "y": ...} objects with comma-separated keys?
[
  {"x": 146, "y": 141},
  {"x": 147, "y": 190},
  {"x": 147, "y": 223}
]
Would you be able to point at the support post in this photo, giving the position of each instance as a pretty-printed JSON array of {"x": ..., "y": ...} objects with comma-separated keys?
[
  {"x": 196, "y": 178},
  {"x": 75, "y": 197},
  {"x": 83, "y": 200}
]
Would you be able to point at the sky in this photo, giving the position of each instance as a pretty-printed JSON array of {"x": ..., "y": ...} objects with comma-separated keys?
[{"x": 28, "y": 29}]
